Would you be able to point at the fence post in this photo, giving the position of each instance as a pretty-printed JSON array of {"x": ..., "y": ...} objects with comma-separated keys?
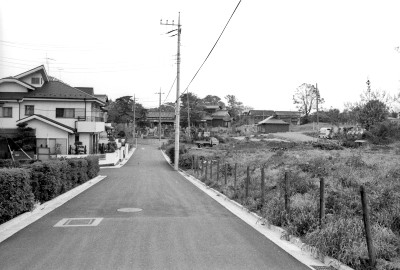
[
  {"x": 287, "y": 207},
  {"x": 206, "y": 170},
  {"x": 218, "y": 171},
  {"x": 370, "y": 245},
  {"x": 192, "y": 163},
  {"x": 234, "y": 183},
  {"x": 211, "y": 165},
  {"x": 247, "y": 181},
  {"x": 202, "y": 167},
  {"x": 262, "y": 185},
  {"x": 196, "y": 166},
  {"x": 321, "y": 202},
  {"x": 226, "y": 173}
]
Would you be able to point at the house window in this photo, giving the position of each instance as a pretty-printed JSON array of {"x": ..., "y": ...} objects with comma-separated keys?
[
  {"x": 35, "y": 80},
  {"x": 6, "y": 112},
  {"x": 29, "y": 109},
  {"x": 65, "y": 113}
]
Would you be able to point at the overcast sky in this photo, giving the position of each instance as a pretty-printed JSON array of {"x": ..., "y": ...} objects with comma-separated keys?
[{"x": 267, "y": 51}]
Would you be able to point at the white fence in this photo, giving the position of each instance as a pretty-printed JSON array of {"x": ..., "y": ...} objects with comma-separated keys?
[{"x": 107, "y": 159}]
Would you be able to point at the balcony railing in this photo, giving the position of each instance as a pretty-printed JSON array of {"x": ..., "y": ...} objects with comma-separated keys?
[{"x": 91, "y": 118}]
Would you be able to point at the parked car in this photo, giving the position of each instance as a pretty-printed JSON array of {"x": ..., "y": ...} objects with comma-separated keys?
[
  {"x": 325, "y": 133},
  {"x": 210, "y": 141}
]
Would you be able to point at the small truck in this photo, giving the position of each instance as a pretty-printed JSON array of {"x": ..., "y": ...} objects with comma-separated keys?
[{"x": 207, "y": 142}]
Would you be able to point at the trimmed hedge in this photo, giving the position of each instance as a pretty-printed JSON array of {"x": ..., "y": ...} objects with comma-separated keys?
[
  {"x": 16, "y": 195},
  {"x": 93, "y": 166},
  {"x": 41, "y": 181}
]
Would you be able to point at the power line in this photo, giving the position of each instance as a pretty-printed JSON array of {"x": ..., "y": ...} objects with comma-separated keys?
[
  {"x": 170, "y": 90},
  {"x": 215, "y": 44}
]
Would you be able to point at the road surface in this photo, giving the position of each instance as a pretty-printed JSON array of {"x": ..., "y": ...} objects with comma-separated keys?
[{"x": 179, "y": 227}]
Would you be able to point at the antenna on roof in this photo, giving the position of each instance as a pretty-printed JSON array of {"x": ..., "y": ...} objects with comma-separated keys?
[{"x": 47, "y": 62}]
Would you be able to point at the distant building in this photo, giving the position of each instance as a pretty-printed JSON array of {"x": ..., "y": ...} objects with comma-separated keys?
[
  {"x": 291, "y": 117},
  {"x": 272, "y": 125}
]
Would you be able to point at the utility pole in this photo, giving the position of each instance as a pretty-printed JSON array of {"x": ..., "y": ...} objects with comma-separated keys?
[
  {"x": 134, "y": 117},
  {"x": 177, "y": 104},
  {"x": 188, "y": 107},
  {"x": 317, "y": 94},
  {"x": 159, "y": 117}
]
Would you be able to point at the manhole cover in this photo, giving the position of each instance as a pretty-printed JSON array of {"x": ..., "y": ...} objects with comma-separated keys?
[
  {"x": 78, "y": 222},
  {"x": 317, "y": 267},
  {"x": 129, "y": 210}
]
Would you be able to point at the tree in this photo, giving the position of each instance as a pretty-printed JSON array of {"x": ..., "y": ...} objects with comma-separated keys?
[
  {"x": 195, "y": 110},
  {"x": 210, "y": 99},
  {"x": 235, "y": 107},
  {"x": 374, "y": 111},
  {"x": 121, "y": 111},
  {"x": 305, "y": 98}
]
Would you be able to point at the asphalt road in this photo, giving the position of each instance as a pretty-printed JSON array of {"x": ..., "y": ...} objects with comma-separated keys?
[{"x": 180, "y": 227}]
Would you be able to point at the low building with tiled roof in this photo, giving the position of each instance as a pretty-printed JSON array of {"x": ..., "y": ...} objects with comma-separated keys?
[
  {"x": 59, "y": 113},
  {"x": 272, "y": 125}
]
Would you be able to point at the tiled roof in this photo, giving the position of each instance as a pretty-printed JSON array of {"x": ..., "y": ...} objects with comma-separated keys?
[
  {"x": 87, "y": 90},
  {"x": 52, "y": 89},
  {"x": 220, "y": 114},
  {"x": 261, "y": 112},
  {"x": 156, "y": 114},
  {"x": 272, "y": 120},
  {"x": 288, "y": 113}
]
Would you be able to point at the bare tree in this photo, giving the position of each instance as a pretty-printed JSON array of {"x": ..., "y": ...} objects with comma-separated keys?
[{"x": 305, "y": 98}]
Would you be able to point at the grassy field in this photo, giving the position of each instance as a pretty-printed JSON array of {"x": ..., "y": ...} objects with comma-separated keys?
[{"x": 342, "y": 233}]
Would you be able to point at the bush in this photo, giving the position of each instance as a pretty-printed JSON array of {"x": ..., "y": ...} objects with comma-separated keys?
[
  {"x": 9, "y": 163},
  {"x": 16, "y": 195},
  {"x": 78, "y": 170},
  {"x": 171, "y": 152},
  {"x": 47, "y": 179},
  {"x": 344, "y": 239},
  {"x": 185, "y": 161},
  {"x": 93, "y": 166}
]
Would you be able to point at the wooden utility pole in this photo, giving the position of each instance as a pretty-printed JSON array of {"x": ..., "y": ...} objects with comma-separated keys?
[
  {"x": 317, "y": 94},
  {"x": 188, "y": 108},
  {"x": 134, "y": 117},
  {"x": 177, "y": 103}
]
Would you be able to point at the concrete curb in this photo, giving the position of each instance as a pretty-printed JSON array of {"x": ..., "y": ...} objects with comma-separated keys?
[
  {"x": 276, "y": 234},
  {"x": 16, "y": 224}
]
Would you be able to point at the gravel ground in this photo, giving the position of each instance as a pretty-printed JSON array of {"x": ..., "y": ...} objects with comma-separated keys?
[{"x": 295, "y": 136}]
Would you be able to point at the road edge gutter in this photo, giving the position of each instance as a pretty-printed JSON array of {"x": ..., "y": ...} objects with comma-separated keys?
[
  {"x": 304, "y": 253},
  {"x": 16, "y": 224}
]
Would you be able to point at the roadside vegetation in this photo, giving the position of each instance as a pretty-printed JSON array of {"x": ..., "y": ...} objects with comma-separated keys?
[
  {"x": 304, "y": 164},
  {"x": 24, "y": 185}
]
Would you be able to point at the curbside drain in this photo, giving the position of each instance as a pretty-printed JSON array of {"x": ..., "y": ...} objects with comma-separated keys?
[{"x": 129, "y": 210}]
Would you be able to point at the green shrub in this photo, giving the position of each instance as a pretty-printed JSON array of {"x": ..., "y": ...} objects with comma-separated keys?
[
  {"x": 93, "y": 166},
  {"x": 185, "y": 161},
  {"x": 78, "y": 170},
  {"x": 16, "y": 195},
  {"x": 170, "y": 151},
  {"x": 47, "y": 179},
  {"x": 303, "y": 216},
  {"x": 9, "y": 163},
  {"x": 344, "y": 239}
]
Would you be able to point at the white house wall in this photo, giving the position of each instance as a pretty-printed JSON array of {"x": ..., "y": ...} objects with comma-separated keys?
[
  {"x": 28, "y": 79},
  {"x": 6, "y": 122},
  {"x": 44, "y": 130},
  {"x": 8, "y": 87}
]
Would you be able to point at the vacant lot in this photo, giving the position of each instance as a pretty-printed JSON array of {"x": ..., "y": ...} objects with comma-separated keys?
[{"x": 303, "y": 165}]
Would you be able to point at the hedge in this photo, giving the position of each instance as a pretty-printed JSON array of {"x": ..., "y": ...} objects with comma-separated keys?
[
  {"x": 9, "y": 163},
  {"x": 16, "y": 195},
  {"x": 41, "y": 181}
]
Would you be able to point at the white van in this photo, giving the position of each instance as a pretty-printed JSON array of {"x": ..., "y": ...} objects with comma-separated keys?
[{"x": 325, "y": 133}]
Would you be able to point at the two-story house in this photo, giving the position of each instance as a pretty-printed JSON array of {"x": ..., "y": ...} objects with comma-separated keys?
[{"x": 60, "y": 114}]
